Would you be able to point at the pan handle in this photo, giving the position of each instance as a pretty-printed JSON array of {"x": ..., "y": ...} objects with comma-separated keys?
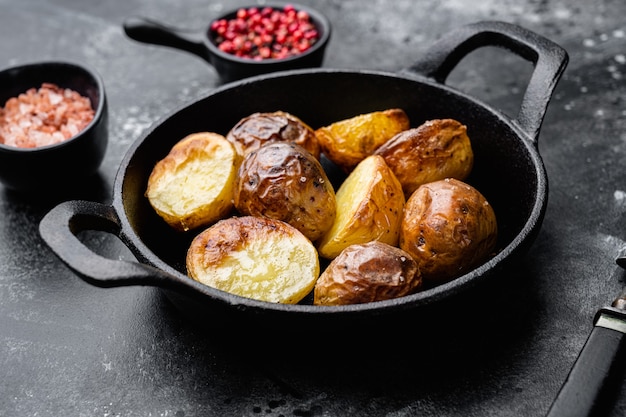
[
  {"x": 58, "y": 229},
  {"x": 152, "y": 32},
  {"x": 549, "y": 61}
]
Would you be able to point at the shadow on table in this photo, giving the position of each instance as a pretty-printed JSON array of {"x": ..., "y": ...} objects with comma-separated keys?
[{"x": 456, "y": 342}]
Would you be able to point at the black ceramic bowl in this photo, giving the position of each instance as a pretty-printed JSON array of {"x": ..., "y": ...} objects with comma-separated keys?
[
  {"x": 51, "y": 167},
  {"x": 228, "y": 66}
]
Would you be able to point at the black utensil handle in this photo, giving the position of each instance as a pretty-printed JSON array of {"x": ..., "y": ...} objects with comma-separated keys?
[
  {"x": 156, "y": 33},
  {"x": 597, "y": 372},
  {"x": 58, "y": 229},
  {"x": 548, "y": 58}
]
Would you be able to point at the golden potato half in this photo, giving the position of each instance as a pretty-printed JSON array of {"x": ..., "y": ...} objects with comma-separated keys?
[
  {"x": 193, "y": 185},
  {"x": 369, "y": 207},
  {"x": 255, "y": 257},
  {"x": 435, "y": 150},
  {"x": 257, "y": 129},
  {"x": 373, "y": 271},
  {"x": 347, "y": 142},
  {"x": 449, "y": 228},
  {"x": 284, "y": 181}
]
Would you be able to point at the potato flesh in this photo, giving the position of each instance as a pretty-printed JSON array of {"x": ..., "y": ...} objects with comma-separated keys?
[
  {"x": 258, "y": 280},
  {"x": 187, "y": 182},
  {"x": 369, "y": 207},
  {"x": 258, "y": 258},
  {"x": 193, "y": 185}
]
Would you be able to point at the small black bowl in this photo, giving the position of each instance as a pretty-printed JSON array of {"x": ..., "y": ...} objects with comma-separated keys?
[
  {"x": 52, "y": 167},
  {"x": 228, "y": 66}
]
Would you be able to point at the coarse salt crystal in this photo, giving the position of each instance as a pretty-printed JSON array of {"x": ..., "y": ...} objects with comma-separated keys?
[
  {"x": 55, "y": 98},
  {"x": 44, "y": 116}
]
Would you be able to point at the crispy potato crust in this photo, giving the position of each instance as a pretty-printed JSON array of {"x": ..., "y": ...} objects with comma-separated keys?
[
  {"x": 373, "y": 271},
  {"x": 449, "y": 228},
  {"x": 347, "y": 142},
  {"x": 285, "y": 182},
  {"x": 369, "y": 207},
  {"x": 255, "y": 257},
  {"x": 257, "y": 129},
  {"x": 435, "y": 150},
  {"x": 193, "y": 185}
]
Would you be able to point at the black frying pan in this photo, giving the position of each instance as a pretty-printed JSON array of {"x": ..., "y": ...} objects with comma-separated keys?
[{"x": 508, "y": 171}]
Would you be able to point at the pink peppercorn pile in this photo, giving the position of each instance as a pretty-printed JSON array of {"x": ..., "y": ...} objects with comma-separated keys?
[{"x": 265, "y": 33}]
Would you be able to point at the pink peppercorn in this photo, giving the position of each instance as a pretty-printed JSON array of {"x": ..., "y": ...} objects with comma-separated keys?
[{"x": 265, "y": 33}]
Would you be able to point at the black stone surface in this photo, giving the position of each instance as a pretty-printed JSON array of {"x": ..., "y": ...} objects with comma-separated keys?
[{"x": 67, "y": 348}]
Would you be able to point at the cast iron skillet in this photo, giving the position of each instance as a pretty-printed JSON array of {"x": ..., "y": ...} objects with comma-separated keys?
[{"x": 508, "y": 171}]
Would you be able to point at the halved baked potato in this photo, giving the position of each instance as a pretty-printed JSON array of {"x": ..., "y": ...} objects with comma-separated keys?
[
  {"x": 435, "y": 150},
  {"x": 449, "y": 228},
  {"x": 365, "y": 273},
  {"x": 369, "y": 207},
  {"x": 255, "y": 257},
  {"x": 284, "y": 181},
  {"x": 257, "y": 129},
  {"x": 347, "y": 142},
  {"x": 193, "y": 185}
]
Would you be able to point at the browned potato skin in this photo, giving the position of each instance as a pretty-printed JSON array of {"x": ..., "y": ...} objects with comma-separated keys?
[
  {"x": 435, "y": 150},
  {"x": 365, "y": 273},
  {"x": 347, "y": 142},
  {"x": 257, "y": 129},
  {"x": 449, "y": 228},
  {"x": 285, "y": 182}
]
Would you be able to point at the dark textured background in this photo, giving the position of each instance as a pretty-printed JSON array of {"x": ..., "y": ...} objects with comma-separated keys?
[{"x": 70, "y": 349}]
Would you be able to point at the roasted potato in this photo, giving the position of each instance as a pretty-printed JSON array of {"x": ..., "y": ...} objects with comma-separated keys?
[
  {"x": 449, "y": 228},
  {"x": 435, "y": 150},
  {"x": 372, "y": 271},
  {"x": 260, "y": 128},
  {"x": 255, "y": 257},
  {"x": 369, "y": 207},
  {"x": 193, "y": 185},
  {"x": 347, "y": 142},
  {"x": 283, "y": 181}
]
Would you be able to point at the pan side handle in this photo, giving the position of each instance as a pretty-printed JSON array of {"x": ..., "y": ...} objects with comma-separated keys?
[
  {"x": 549, "y": 61},
  {"x": 58, "y": 229}
]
